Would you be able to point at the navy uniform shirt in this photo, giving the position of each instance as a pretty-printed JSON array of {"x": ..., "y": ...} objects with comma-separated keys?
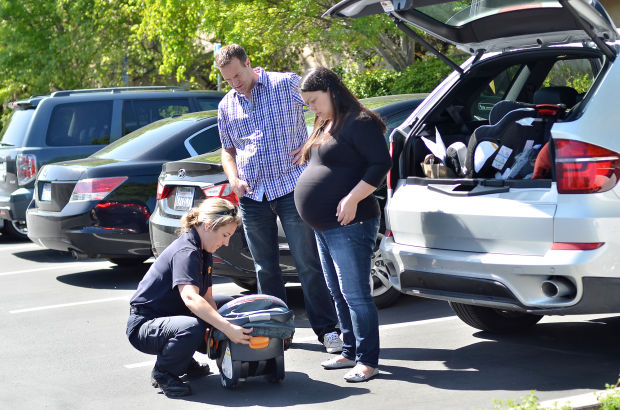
[{"x": 183, "y": 262}]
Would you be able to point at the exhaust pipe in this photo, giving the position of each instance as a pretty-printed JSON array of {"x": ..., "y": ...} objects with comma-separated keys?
[
  {"x": 557, "y": 287},
  {"x": 78, "y": 256}
]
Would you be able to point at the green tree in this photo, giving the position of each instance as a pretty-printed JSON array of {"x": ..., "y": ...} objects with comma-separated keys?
[{"x": 276, "y": 33}]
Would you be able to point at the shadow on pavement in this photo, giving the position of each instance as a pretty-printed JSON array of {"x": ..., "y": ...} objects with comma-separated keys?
[
  {"x": 296, "y": 389},
  {"x": 114, "y": 277},
  {"x": 46, "y": 255},
  {"x": 549, "y": 357}
]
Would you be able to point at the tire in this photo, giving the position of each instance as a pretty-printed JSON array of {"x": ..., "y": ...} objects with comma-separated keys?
[
  {"x": 383, "y": 293},
  {"x": 494, "y": 320},
  {"x": 128, "y": 261},
  {"x": 16, "y": 229},
  {"x": 247, "y": 284},
  {"x": 278, "y": 375}
]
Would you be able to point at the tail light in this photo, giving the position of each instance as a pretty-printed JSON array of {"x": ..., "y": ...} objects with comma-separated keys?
[
  {"x": 583, "y": 168},
  {"x": 222, "y": 191},
  {"x": 95, "y": 189},
  {"x": 26, "y": 168},
  {"x": 576, "y": 246},
  {"x": 163, "y": 192}
]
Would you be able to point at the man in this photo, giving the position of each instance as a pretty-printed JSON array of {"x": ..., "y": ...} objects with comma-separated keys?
[{"x": 262, "y": 127}]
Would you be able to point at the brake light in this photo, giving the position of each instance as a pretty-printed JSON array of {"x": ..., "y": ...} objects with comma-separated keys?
[
  {"x": 388, "y": 233},
  {"x": 163, "y": 192},
  {"x": 95, "y": 189},
  {"x": 26, "y": 168},
  {"x": 583, "y": 168},
  {"x": 222, "y": 191},
  {"x": 576, "y": 246}
]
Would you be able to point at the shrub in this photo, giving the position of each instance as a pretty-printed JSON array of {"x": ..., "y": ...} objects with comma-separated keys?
[{"x": 421, "y": 77}]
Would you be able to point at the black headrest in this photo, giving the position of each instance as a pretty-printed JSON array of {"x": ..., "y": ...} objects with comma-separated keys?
[
  {"x": 556, "y": 95},
  {"x": 502, "y": 108}
]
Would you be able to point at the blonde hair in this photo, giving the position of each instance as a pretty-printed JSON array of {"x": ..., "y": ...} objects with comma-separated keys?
[{"x": 215, "y": 212}]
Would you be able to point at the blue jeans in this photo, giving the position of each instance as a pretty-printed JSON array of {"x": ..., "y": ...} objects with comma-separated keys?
[
  {"x": 346, "y": 254},
  {"x": 174, "y": 339},
  {"x": 261, "y": 233}
]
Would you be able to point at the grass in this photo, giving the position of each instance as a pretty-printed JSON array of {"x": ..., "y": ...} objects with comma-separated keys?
[{"x": 607, "y": 400}]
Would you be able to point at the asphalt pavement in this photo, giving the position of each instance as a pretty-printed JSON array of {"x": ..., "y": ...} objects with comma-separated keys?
[{"x": 64, "y": 347}]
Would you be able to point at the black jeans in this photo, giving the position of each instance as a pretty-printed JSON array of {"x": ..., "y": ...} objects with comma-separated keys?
[{"x": 174, "y": 339}]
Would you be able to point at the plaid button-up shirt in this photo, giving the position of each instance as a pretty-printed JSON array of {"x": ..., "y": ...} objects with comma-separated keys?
[{"x": 264, "y": 131}]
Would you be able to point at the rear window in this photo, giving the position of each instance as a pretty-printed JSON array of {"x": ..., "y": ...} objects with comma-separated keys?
[
  {"x": 138, "y": 113},
  {"x": 83, "y": 123},
  {"x": 134, "y": 145},
  {"x": 458, "y": 13},
  {"x": 207, "y": 104},
  {"x": 16, "y": 130},
  {"x": 205, "y": 141}
]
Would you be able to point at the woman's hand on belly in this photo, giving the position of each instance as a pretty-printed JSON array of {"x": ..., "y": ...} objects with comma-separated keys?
[{"x": 347, "y": 208}]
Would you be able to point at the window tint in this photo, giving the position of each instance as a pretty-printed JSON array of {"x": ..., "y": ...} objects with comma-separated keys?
[
  {"x": 138, "y": 113},
  {"x": 208, "y": 104},
  {"x": 84, "y": 123},
  {"x": 16, "y": 130},
  {"x": 206, "y": 141},
  {"x": 493, "y": 92},
  {"x": 394, "y": 121}
]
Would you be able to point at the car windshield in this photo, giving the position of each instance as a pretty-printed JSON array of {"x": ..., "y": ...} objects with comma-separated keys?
[
  {"x": 136, "y": 143},
  {"x": 16, "y": 130},
  {"x": 458, "y": 13}
]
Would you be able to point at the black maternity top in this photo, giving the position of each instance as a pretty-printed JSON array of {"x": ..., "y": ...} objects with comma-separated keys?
[{"x": 357, "y": 152}]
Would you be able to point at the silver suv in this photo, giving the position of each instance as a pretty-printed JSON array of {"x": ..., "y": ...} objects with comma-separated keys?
[{"x": 503, "y": 196}]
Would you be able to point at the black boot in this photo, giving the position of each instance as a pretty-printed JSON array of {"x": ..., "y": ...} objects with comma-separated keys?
[
  {"x": 196, "y": 370},
  {"x": 169, "y": 384}
]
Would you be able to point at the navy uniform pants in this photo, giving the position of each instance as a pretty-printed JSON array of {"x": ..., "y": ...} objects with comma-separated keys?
[{"x": 174, "y": 339}]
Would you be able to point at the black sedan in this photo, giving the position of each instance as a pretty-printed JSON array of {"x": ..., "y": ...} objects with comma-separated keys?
[
  {"x": 185, "y": 183},
  {"x": 100, "y": 206}
]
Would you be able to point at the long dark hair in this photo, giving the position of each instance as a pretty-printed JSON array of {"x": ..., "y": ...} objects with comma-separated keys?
[{"x": 343, "y": 102}]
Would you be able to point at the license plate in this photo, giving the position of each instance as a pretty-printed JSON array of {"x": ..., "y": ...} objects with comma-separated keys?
[
  {"x": 184, "y": 198},
  {"x": 46, "y": 193},
  {"x": 2, "y": 171}
]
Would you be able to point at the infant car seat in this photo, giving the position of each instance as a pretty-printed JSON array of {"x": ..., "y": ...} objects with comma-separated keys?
[
  {"x": 514, "y": 128},
  {"x": 272, "y": 322}
]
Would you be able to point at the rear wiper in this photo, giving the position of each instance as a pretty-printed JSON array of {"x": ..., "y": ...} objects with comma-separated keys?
[{"x": 6, "y": 144}]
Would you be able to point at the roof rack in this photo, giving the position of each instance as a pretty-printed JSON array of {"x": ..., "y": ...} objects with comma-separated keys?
[{"x": 115, "y": 90}]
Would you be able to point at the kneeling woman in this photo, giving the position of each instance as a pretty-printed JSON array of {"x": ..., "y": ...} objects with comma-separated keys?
[{"x": 174, "y": 303}]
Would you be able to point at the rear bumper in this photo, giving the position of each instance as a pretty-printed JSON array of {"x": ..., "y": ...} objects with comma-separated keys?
[
  {"x": 13, "y": 206},
  {"x": 511, "y": 282},
  {"x": 78, "y": 233}
]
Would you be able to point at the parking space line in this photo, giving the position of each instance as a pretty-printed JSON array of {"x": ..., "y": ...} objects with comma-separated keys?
[
  {"x": 72, "y": 265},
  {"x": 62, "y": 305},
  {"x": 311, "y": 338},
  {"x": 17, "y": 247},
  {"x": 142, "y": 364}
]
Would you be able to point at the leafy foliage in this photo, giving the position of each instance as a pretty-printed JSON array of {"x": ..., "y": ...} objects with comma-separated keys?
[
  {"x": 611, "y": 399},
  {"x": 421, "y": 77}
]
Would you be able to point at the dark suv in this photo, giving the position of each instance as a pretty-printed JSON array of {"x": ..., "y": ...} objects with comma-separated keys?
[{"x": 73, "y": 124}]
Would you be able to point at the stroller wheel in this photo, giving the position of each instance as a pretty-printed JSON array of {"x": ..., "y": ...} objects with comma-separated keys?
[
  {"x": 229, "y": 369},
  {"x": 278, "y": 373}
]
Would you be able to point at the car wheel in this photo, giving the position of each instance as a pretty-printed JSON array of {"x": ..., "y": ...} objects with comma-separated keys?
[
  {"x": 16, "y": 229},
  {"x": 494, "y": 320},
  {"x": 247, "y": 284},
  {"x": 383, "y": 293},
  {"x": 128, "y": 261}
]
